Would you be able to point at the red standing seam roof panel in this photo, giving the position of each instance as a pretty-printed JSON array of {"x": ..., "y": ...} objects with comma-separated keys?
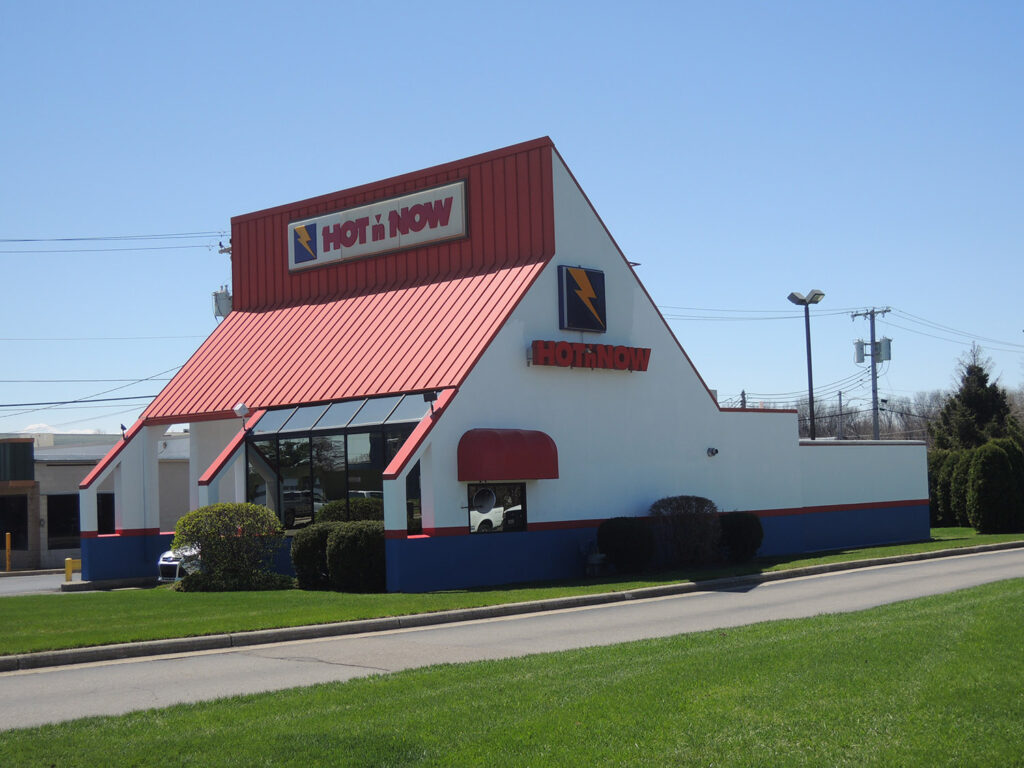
[{"x": 406, "y": 340}]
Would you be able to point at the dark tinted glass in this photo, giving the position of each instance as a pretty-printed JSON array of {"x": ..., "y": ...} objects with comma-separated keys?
[
  {"x": 375, "y": 411},
  {"x": 304, "y": 418},
  {"x": 412, "y": 408},
  {"x": 272, "y": 421}
]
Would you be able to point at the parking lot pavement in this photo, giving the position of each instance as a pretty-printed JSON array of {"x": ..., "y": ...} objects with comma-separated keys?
[{"x": 33, "y": 583}]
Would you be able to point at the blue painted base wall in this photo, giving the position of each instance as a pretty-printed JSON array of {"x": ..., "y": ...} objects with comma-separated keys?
[
  {"x": 130, "y": 557},
  {"x": 843, "y": 529},
  {"x": 458, "y": 562},
  {"x": 122, "y": 557},
  {"x": 481, "y": 560}
]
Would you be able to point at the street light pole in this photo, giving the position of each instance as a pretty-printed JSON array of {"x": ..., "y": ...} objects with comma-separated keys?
[{"x": 805, "y": 301}]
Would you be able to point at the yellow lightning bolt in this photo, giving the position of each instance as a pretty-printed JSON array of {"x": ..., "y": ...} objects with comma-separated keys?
[
  {"x": 585, "y": 291},
  {"x": 304, "y": 239}
]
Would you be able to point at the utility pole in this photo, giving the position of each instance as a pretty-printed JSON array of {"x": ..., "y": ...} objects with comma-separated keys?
[
  {"x": 877, "y": 353},
  {"x": 840, "y": 430}
]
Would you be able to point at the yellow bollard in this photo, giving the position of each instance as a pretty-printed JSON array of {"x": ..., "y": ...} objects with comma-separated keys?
[
  {"x": 8, "y": 537},
  {"x": 71, "y": 564}
]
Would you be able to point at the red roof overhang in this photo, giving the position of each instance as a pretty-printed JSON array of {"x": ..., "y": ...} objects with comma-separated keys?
[
  {"x": 507, "y": 454},
  {"x": 413, "y": 339}
]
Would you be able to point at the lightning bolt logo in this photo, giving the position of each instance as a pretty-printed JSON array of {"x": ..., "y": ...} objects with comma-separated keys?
[
  {"x": 304, "y": 238},
  {"x": 585, "y": 291}
]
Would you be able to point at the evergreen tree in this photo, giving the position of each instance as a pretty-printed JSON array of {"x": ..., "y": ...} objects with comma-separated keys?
[{"x": 977, "y": 412}]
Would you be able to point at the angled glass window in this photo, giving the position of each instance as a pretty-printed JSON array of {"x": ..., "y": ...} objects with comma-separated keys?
[
  {"x": 304, "y": 418},
  {"x": 338, "y": 415},
  {"x": 375, "y": 411},
  {"x": 272, "y": 421},
  {"x": 412, "y": 408}
]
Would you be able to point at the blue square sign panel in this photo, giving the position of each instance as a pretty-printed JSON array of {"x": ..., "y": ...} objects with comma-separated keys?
[{"x": 581, "y": 305}]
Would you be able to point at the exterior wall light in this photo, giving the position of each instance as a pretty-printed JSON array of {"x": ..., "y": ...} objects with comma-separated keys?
[{"x": 712, "y": 452}]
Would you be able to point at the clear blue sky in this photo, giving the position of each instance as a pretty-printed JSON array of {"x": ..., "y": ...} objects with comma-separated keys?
[{"x": 738, "y": 151}]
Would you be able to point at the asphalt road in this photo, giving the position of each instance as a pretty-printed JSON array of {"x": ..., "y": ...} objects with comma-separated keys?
[{"x": 61, "y": 693}]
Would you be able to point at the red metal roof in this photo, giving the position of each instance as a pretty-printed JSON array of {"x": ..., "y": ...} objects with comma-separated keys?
[
  {"x": 507, "y": 454},
  {"x": 410, "y": 339}
]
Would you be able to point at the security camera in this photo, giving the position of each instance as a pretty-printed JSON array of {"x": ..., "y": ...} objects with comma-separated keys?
[{"x": 712, "y": 452}]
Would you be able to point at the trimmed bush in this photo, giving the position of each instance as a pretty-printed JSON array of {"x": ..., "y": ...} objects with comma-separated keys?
[
  {"x": 627, "y": 542},
  {"x": 958, "y": 482},
  {"x": 231, "y": 545},
  {"x": 355, "y": 556},
  {"x": 944, "y": 490},
  {"x": 354, "y": 508},
  {"x": 742, "y": 535},
  {"x": 688, "y": 530},
  {"x": 937, "y": 457},
  {"x": 990, "y": 503},
  {"x": 1016, "y": 457},
  {"x": 309, "y": 555}
]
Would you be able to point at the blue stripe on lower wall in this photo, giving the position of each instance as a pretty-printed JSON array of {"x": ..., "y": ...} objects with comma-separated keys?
[
  {"x": 122, "y": 557},
  {"x": 458, "y": 562},
  {"x": 843, "y": 529}
]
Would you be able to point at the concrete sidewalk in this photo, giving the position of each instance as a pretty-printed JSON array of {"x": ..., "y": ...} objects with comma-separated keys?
[{"x": 284, "y": 634}]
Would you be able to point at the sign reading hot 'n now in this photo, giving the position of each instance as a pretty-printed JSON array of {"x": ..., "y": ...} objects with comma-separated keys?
[{"x": 396, "y": 224}]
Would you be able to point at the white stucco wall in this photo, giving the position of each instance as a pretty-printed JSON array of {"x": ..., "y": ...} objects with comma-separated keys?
[{"x": 626, "y": 438}]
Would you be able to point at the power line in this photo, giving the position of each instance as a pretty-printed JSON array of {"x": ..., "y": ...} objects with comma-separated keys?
[
  {"x": 111, "y": 250},
  {"x": 167, "y": 236},
  {"x": 97, "y": 338},
  {"x": 71, "y": 381},
  {"x": 82, "y": 400}
]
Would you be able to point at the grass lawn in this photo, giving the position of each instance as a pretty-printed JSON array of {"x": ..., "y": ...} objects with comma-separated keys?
[
  {"x": 929, "y": 682},
  {"x": 73, "y": 620}
]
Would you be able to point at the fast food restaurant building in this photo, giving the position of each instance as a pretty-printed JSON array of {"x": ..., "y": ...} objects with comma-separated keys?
[{"x": 468, "y": 344}]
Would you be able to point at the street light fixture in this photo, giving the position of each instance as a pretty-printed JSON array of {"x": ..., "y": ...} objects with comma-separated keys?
[{"x": 805, "y": 301}]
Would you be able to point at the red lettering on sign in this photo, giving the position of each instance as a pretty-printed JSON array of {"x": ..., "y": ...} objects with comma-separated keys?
[
  {"x": 419, "y": 216},
  {"x": 543, "y": 353},
  {"x": 639, "y": 357},
  {"x": 331, "y": 238},
  {"x": 577, "y": 354},
  {"x": 563, "y": 354},
  {"x": 567, "y": 354}
]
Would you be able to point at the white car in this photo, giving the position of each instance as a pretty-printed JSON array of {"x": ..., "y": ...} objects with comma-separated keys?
[{"x": 170, "y": 566}]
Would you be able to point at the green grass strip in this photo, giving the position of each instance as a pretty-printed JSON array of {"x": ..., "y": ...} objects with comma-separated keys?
[
  {"x": 929, "y": 682},
  {"x": 75, "y": 620}
]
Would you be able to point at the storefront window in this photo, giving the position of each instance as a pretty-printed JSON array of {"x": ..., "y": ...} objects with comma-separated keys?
[
  {"x": 104, "y": 513},
  {"x": 295, "y": 472},
  {"x": 62, "y": 521},
  {"x": 300, "y": 459},
  {"x": 262, "y": 475},
  {"x": 14, "y": 520},
  {"x": 497, "y": 507},
  {"x": 330, "y": 468}
]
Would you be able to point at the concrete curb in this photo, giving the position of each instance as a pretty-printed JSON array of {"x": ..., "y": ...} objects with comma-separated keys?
[{"x": 26, "y": 661}]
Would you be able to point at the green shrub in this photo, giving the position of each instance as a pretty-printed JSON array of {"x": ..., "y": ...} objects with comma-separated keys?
[
  {"x": 232, "y": 546},
  {"x": 355, "y": 556},
  {"x": 1016, "y": 456},
  {"x": 937, "y": 457},
  {"x": 943, "y": 488},
  {"x": 688, "y": 530},
  {"x": 742, "y": 535},
  {"x": 347, "y": 510},
  {"x": 627, "y": 542},
  {"x": 990, "y": 503},
  {"x": 309, "y": 555},
  {"x": 958, "y": 482}
]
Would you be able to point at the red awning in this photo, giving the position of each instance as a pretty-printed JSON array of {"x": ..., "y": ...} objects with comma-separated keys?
[{"x": 507, "y": 454}]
